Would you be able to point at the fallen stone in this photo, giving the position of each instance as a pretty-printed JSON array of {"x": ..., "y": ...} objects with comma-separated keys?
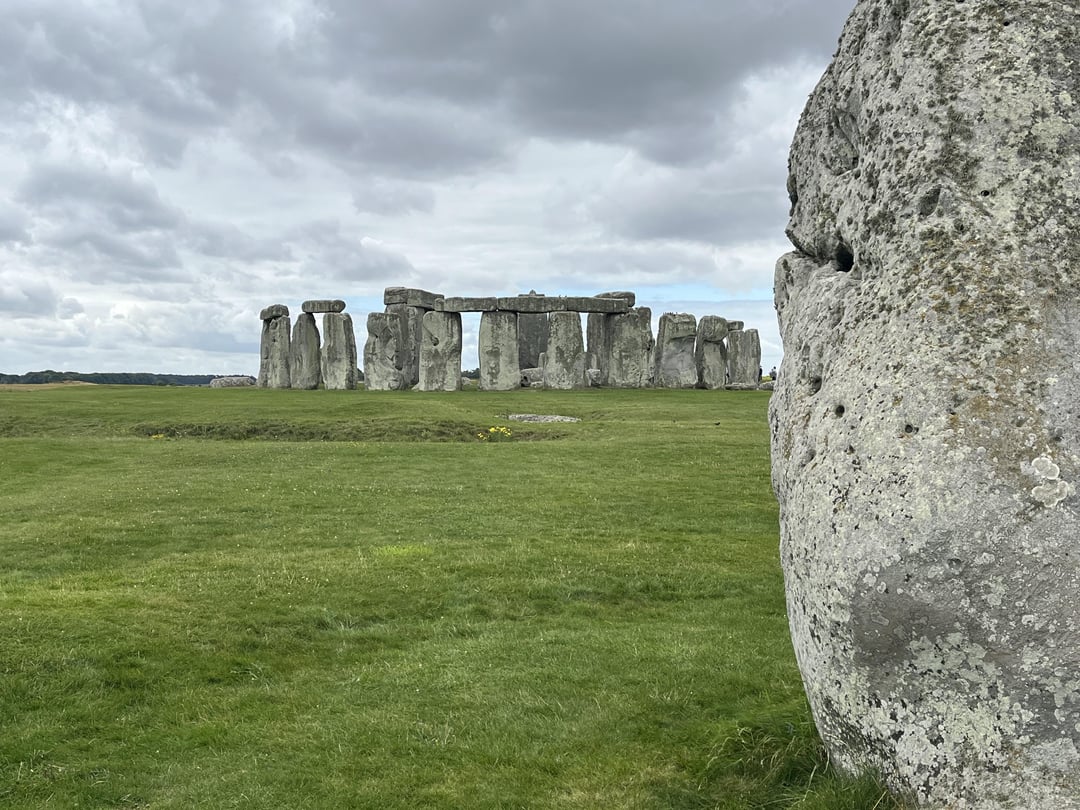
[
  {"x": 675, "y": 366},
  {"x": 925, "y": 428},
  {"x": 531, "y": 376},
  {"x": 304, "y": 367},
  {"x": 323, "y": 305},
  {"x": 338, "y": 352},
  {"x": 242, "y": 381}
]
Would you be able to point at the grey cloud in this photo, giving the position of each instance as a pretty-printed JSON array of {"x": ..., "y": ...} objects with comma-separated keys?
[
  {"x": 227, "y": 241},
  {"x": 125, "y": 203},
  {"x": 23, "y": 297},
  {"x": 104, "y": 257},
  {"x": 14, "y": 224},
  {"x": 335, "y": 256},
  {"x": 390, "y": 198}
]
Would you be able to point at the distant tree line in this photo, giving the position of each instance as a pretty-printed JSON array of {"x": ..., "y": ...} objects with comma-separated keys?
[{"x": 107, "y": 378}]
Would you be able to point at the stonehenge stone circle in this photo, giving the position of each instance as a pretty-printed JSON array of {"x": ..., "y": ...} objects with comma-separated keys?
[
  {"x": 529, "y": 340},
  {"x": 304, "y": 366},
  {"x": 238, "y": 381},
  {"x": 675, "y": 338},
  {"x": 338, "y": 358},
  {"x": 711, "y": 352},
  {"x": 926, "y": 420},
  {"x": 274, "y": 348},
  {"x": 499, "y": 369},
  {"x": 440, "y": 352}
]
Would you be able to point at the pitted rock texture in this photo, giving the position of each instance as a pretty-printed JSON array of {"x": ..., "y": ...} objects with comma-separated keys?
[
  {"x": 926, "y": 421},
  {"x": 440, "y": 352},
  {"x": 305, "y": 370},
  {"x": 382, "y": 353},
  {"x": 274, "y": 351},
  {"x": 675, "y": 338},
  {"x": 338, "y": 358},
  {"x": 498, "y": 346}
]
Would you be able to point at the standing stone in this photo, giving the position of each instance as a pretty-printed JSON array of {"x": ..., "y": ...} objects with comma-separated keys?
[
  {"x": 410, "y": 332},
  {"x": 498, "y": 343},
  {"x": 631, "y": 348},
  {"x": 743, "y": 359},
  {"x": 925, "y": 424},
  {"x": 565, "y": 360},
  {"x": 598, "y": 334},
  {"x": 304, "y": 367},
  {"x": 440, "y": 352},
  {"x": 532, "y": 336},
  {"x": 710, "y": 352},
  {"x": 339, "y": 352},
  {"x": 675, "y": 366},
  {"x": 274, "y": 348},
  {"x": 382, "y": 356}
]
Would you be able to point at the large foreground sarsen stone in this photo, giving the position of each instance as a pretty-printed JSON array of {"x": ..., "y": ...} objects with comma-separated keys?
[{"x": 926, "y": 422}]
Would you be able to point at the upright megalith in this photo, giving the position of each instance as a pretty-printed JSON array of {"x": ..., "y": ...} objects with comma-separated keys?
[
  {"x": 338, "y": 352},
  {"x": 410, "y": 305},
  {"x": 565, "y": 361},
  {"x": 631, "y": 346},
  {"x": 382, "y": 353},
  {"x": 532, "y": 336},
  {"x": 743, "y": 358},
  {"x": 440, "y": 352},
  {"x": 304, "y": 367},
  {"x": 675, "y": 338},
  {"x": 598, "y": 334},
  {"x": 498, "y": 345},
  {"x": 274, "y": 347},
  {"x": 711, "y": 353},
  {"x": 925, "y": 428}
]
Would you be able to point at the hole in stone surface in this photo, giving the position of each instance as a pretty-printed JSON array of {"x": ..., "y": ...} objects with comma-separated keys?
[
  {"x": 984, "y": 193},
  {"x": 839, "y": 410},
  {"x": 845, "y": 259},
  {"x": 910, "y": 429},
  {"x": 815, "y": 385},
  {"x": 929, "y": 201}
]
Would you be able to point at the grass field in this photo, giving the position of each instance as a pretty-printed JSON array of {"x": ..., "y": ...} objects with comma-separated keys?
[{"x": 343, "y": 599}]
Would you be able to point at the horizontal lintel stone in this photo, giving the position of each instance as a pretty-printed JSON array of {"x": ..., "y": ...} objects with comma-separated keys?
[
  {"x": 461, "y": 304},
  {"x": 411, "y": 297},
  {"x": 562, "y": 303},
  {"x": 274, "y": 311},
  {"x": 323, "y": 305}
]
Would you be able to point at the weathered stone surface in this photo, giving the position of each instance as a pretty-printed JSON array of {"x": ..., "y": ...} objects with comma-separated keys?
[
  {"x": 440, "y": 352},
  {"x": 338, "y": 352},
  {"x": 711, "y": 353},
  {"x": 565, "y": 360},
  {"x": 531, "y": 377},
  {"x": 410, "y": 324},
  {"x": 631, "y": 360},
  {"x": 598, "y": 342},
  {"x": 498, "y": 345},
  {"x": 736, "y": 326},
  {"x": 274, "y": 352},
  {"x": 323, "y": 305},
  {"x": 382, "y": 355},
  {"x": 925, "y": 428},
  {"x": 274, "y": 311},
  {"x": 744, "y": 358},
  {"x": 240, "y": 381},
  {"x": 532, "y": 338},
  {"x": 410, "y": 297},
  {"x": 675, "y": 367},
  {"x": 304, "y": 367},
  {"x": 561, "y": 303},
  {"x": 459, "y": 304},
  {"x": 541, "y": 418},
  {"x": 629, "y": 297}
]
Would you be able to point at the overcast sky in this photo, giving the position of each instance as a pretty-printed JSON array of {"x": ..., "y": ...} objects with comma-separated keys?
[{"x": 168, "y": 169}]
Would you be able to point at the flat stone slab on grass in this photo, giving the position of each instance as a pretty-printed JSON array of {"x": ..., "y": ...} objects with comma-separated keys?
[{"x": 539, "y": 417}]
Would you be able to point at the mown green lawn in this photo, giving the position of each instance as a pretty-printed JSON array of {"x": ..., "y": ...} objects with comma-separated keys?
[{"x": 344, "y": 599}]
